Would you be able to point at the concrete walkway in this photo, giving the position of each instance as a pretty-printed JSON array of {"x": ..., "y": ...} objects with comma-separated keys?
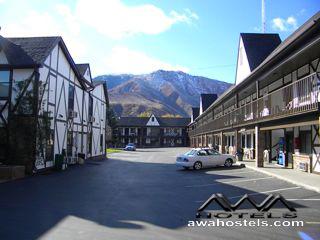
[{"x": 309, "y": 181}]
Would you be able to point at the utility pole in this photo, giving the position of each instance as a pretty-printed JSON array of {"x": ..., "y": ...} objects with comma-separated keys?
[{"x": 263, "y": 16}]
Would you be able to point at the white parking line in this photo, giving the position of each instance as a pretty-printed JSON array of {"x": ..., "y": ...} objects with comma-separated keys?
[
  {"x": 233, "y": 181},
  {"x": 258, "y": 193},
  {"x": 234, "y": 173},
  {"x": 270, "y": 191}
]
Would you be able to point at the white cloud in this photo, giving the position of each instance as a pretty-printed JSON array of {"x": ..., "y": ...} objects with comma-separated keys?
[
  {"x": 301, "y": 12},
  {"x": 124, "y": 60},
  {"x": 292, "y": 21},
  {"x": 69, "y": 19},
  {"x": 33, "y": 24},
  {"x": 112, "y": 18},
  {"x": 283, "y": 25},
  {"x": 116, "y": 20},
  {"x": 36, "y": 24}
]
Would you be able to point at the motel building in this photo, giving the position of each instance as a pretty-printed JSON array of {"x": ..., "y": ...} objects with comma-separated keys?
[
  {"x": 152, "y": 131},
  {"x": 48, "y": 105},
  {"x": 271, "y": 114}
]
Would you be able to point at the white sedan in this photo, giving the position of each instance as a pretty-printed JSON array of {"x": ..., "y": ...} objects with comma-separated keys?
[{"x": 204, "y": 157}]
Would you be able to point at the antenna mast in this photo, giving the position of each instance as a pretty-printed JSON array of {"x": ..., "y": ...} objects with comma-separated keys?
[{"x": 263, "y": 16}]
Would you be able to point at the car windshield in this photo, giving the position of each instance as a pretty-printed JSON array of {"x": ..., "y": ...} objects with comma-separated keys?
[
  {"x": 130, "y": 144},
  {"x": 191, "y": 152}
]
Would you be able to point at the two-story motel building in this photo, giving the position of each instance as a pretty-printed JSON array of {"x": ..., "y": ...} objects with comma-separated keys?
[
  {"x": 48, "y": 104},
  {"x": 273, "y": 108}
]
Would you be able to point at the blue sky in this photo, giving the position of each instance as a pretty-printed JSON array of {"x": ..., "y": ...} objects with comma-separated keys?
[{"x": 140, "y": 36}]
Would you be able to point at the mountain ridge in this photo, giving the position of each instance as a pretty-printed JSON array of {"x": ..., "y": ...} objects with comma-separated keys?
[{"x": 160, "y": 92}]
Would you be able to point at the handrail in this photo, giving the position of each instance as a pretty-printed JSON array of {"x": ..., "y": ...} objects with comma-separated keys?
[{"x": 295, "y": 98}]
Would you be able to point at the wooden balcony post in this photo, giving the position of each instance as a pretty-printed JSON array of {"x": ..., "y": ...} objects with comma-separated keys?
[
  {"x": 237, "y": 140},
  {"x": 260, "y": 146},
  {"x": 223, "y": 143}
]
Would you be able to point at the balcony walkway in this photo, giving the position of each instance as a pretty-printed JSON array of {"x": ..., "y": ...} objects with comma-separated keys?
[{"x": 307, "y": 180}]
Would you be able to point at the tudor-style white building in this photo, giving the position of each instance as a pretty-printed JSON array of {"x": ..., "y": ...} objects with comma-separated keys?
[{"x": 48, "y": 104}]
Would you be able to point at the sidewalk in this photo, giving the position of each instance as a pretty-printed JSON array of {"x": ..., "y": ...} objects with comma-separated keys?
[{"x": 307, "y": 180}]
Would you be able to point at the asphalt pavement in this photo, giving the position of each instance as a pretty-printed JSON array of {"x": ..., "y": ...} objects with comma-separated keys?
[{"x": 143, "y": 195}]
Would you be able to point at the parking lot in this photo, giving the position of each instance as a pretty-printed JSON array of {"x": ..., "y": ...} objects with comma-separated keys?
[{"x": 143, "y": 195}]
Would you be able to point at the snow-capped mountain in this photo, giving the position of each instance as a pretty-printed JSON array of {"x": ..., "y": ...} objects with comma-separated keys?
[{"x": 161, "y": 92}]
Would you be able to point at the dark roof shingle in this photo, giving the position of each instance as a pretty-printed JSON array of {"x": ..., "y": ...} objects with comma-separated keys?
[
  {"x": 142, "y": 121},
  {"x": 195, "y": 112},
  {"x": 258, "y": 46},
  {"x": 207, "y": 99},
  {"x": 38, "y": 48},
  {"x": 15, "y": 55}
]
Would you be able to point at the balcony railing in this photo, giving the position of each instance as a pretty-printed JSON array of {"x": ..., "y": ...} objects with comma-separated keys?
[
  {"x": 298, "y": 97},
  {"x": 171, "y": 134}
]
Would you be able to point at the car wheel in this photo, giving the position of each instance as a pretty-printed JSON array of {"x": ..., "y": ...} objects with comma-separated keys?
[
  {"x": 197, "y": 165},
  {"x": 228, "y": 162}
]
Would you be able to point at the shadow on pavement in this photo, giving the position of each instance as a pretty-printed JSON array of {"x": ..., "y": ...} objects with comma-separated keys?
[{"x": 111, "y": 193}]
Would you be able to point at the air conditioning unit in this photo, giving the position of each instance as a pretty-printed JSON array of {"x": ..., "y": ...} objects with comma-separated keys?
[
  {"x": 302, "y": 166},
  {"x": 92, "y": 119},
  {"x": 73, "y": 114}
]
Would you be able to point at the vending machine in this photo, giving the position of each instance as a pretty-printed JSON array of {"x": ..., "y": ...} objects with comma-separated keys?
[{"x": 281, "y": 155}]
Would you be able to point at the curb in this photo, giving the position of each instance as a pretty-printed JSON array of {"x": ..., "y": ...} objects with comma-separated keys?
[{"x": 306, "y": 186}]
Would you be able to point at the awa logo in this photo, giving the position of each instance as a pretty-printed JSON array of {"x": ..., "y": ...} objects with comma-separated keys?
[{"x": 264, "y": 206}]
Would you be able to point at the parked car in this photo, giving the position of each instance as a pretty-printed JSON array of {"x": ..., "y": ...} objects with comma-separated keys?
[
  {"x": 204, "y": 157},
  {"x": 130, "y": 147}
]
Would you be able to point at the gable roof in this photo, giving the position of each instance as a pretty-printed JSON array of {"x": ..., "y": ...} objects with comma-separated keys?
[
  {"x": 38, "y": 48},
  {"x": 174, "y": 122},
  {"x": 82, "y": 67},
  {"x": 133, "y": 121},
  {"x": 207, "y": 99},
  {"x": 258, "y": 46},
  {"x": 105, "y": 89},
  {"x": 195, "y": 113},
  {"x": 142, "y": 122},
  {"x": 15, "y": 55}
]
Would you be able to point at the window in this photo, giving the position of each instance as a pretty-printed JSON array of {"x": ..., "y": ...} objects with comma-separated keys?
[
  {"x": 101, "y": 142},
  {"x": 152, "y": 119},
  {"x": 243, "y": 140},
  {"x": 305, "y": 139},
  {"x": 90, "y": 106},
  {"x": 49, "y": 146},
  {"x": 212, "y": 152},
  {"x": 69, "y": 143},
  {"x": 202, "y": 153},
  {"x": 4, "y": 83},
  {"x": 248, "y": 140},
  {"x": 191, "y": 153},
  {"x": 71, "y": 97}
]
